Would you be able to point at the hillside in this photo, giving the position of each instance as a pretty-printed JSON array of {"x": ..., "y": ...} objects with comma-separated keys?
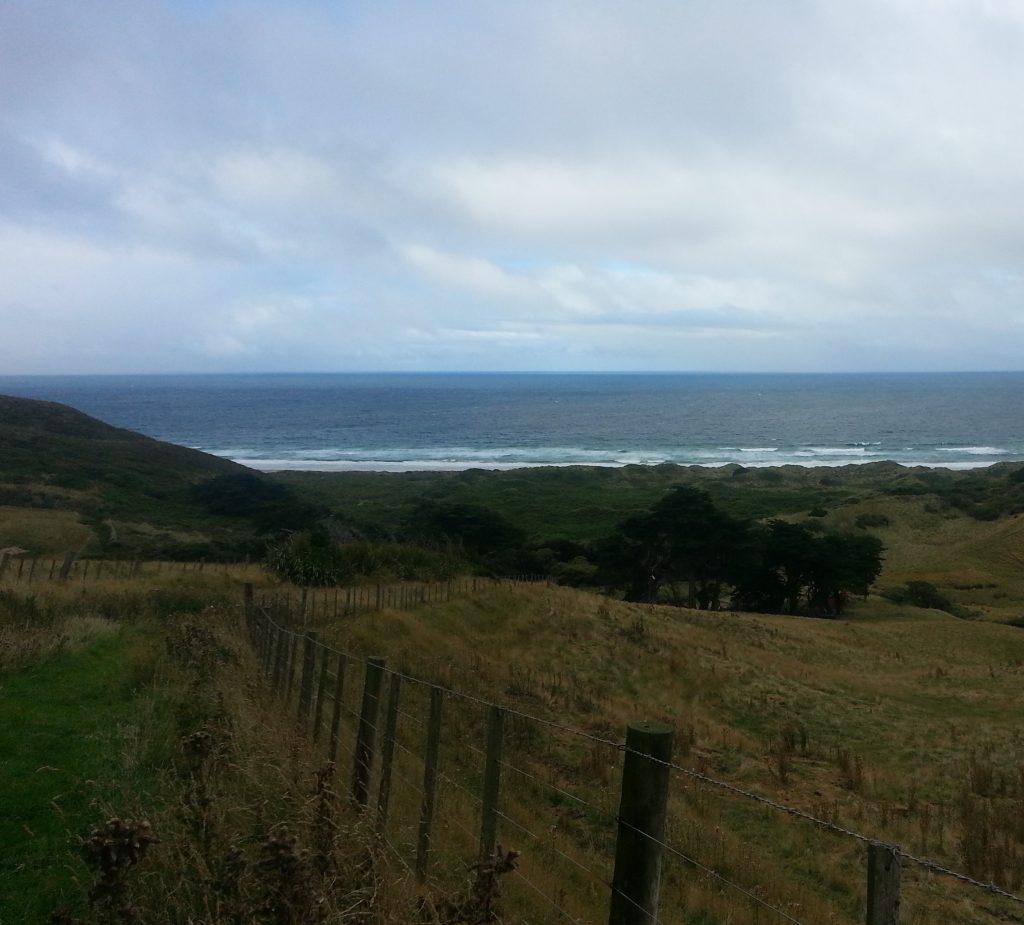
[
  {"x": 899, "y": 724},
  {"x": 69, "y": 479}
]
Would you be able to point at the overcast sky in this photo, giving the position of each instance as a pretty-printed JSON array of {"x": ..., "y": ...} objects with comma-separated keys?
[{"x": 679, "y": 185}]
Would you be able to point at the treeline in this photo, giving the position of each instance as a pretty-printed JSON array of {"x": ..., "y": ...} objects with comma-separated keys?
[
  {"x": 685, "y": 549},
  {"x": 682, "y": 550}
]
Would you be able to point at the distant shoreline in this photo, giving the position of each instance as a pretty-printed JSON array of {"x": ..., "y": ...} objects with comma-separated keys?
[{"x": 271, "y": 466}]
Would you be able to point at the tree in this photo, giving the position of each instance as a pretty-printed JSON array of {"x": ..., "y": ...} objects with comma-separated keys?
[
  {"x": 797, "y": 569},
  {"x": 683, "y": 538}
]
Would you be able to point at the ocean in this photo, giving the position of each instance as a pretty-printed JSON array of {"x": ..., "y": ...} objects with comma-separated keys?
[{"x": 401, "y": 422}]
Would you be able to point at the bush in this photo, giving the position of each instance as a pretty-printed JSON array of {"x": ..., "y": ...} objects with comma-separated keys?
[
  {"x": 872, "y": 520},
  {"x": 315, "y": 561},
  {"x": 925, "y": 594}
]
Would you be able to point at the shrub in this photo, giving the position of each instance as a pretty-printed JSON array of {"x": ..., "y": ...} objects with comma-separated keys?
[
  {"x": 315, "y": 561},
  {"x": 920, "y": 594},
  {"x": 872, "y": 520}
]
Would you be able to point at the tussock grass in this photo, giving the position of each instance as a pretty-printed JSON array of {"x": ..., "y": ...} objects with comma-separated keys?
[{"x": 898, "y": 722}]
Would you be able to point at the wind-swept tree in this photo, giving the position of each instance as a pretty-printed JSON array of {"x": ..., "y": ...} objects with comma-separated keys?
[
  {"x": 797, "y": 569},
  {"x": 683, "y": 538}
]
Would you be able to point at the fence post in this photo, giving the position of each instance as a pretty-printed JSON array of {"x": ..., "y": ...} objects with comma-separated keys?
[
  {"x": 306, "y": 684},
  {"x": 366, "y": 737},
  {"x": 883, "y": 884},
  {"x": 387, "y": 751},
  {"x": 636, "y": 882},
  {"x": 280, "y": 659},
  {"x": 318, "y": 714},
  {"x": 339, "y": 695},
  {"x": 293, "y": 648},
  {"x": 492, "y": 782},
  {"x": 3, "y": 562},
  {"x": 268, "y": 638},
  {"x": 247, "y": 600},
  {"x": 65, "y": 568},
  {"x": 430, "y": 757}
]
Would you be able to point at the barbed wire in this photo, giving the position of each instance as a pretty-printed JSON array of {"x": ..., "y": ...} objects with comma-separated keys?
[
  {"x": 558, "y": 790},
  {"x": 937, "y": 868},
  {"x": 711, "y": 872},
  {"x": 522, "y": 828},
  {"x": 559, "y": 908},
  {"x": 691, "y": 773}
]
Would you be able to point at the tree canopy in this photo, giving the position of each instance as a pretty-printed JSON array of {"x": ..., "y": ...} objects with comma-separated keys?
[{"x": 773, "y": 567}]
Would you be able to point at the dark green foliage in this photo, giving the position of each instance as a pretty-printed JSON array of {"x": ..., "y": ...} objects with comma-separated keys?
[
  {"x": 798, "y": 569},
  {"x": 920, "y": 594},
  {"x": 925, "y": 594},
  {"x": 315, "y": 560},
  {"x": 271, "y": 506},
  {"x": 476, "y": 532},
  {"x": 872, "y": 520},
  {"x": 683, "y": 538}
]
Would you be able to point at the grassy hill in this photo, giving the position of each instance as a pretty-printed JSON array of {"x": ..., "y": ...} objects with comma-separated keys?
[
  {"x": 68, "y": 480},
  {"x": 134, "y": 694},
  {"x": 899, "y": 723}
]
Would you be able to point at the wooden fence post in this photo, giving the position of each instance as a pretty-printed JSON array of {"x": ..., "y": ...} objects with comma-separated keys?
[
  {"x": 65, "y": 568},
  {"x": 280, "y": 659},
  {"x": 883, "y": 884},
  {"x": 293, "y": 648},
  {"x": 366, "y": 737},
  {"x": 433, "y": 749},
  {"x": 492, "y": 782},
  {"x": 318, "y": 714},
  {"x": 636, "y": 883},
  {"x": 387, "y": 751},
  {"x": 247, "y": 600},
  {"x": 3, "y": 562},
  {"x": 339, "y": 700},
  {"x": 306, "y": 683}
]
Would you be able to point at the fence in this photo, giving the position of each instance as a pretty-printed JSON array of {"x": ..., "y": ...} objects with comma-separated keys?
[
  {"x": 612, "y": 854},
  {"x": 19, "y": 569}
]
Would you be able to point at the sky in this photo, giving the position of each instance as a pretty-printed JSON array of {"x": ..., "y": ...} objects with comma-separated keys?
[{"x": 692, "y": 185}]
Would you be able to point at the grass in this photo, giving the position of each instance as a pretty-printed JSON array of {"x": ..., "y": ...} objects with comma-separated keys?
[
  {"x": 42, "y": 531},
  {"x": 60, "y": 720},
  {"x": 899, "y": 722}
]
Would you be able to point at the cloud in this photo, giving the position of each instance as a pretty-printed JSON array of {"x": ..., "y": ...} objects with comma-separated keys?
[{"x": 271, "y": 185}]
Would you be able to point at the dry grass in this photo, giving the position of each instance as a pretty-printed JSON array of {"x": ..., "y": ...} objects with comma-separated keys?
[
  {"x": 898, "y": 722},
  {"x": 870, "y": 722},
  {"x": 41, "y": 532}
]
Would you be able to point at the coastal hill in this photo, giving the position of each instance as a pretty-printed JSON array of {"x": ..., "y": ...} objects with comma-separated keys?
[{"x": 68, "y": 479}]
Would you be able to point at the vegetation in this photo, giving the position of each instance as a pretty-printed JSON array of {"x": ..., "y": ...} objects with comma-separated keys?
[
  {"x": 183, "y": 754},
  {"x": 149, "y": 774}
]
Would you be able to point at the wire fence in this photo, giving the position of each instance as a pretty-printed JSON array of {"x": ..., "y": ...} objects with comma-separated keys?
[{"x": 562, "y": 798}]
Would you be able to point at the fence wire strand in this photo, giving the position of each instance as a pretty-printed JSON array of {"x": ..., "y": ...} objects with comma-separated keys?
[{"x": 691, "y": 773}]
